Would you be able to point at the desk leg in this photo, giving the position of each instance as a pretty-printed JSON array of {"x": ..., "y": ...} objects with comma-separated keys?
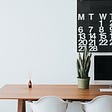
[{"x": 21, "y": 105}]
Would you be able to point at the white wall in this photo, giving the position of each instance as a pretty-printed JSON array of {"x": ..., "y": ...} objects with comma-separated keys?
[{"x": 37, "y": 36}]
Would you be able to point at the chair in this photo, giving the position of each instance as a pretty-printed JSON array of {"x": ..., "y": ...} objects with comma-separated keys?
[
  {"x": 49, "y": 104},
  {"x": 74, "y": 106},
  {"x": 99, "y": 104}
]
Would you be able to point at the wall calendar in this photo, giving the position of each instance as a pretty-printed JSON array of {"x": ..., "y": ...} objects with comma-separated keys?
[{"x": 94, "y": 25}]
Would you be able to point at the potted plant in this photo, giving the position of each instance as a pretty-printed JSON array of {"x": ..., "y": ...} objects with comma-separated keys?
[{"x": 83, "y": 67}]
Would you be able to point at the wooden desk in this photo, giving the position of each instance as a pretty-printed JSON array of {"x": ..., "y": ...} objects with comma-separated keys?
[{"x": 67, "y": 92}]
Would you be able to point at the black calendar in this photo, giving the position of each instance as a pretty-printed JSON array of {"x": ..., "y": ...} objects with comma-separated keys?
[{"x": 94, "y": 25}]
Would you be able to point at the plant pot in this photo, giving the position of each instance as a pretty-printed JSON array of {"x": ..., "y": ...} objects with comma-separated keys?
[{"x": 83, "y": 83}]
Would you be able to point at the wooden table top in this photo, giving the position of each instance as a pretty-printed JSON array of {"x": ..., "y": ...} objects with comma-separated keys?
[{"x": 70, "y": 92}]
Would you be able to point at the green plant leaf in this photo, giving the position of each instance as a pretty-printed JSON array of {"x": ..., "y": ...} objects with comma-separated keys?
[
  {"x": 78, "y": 68},
  {"x": 83, "y": 63}
]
